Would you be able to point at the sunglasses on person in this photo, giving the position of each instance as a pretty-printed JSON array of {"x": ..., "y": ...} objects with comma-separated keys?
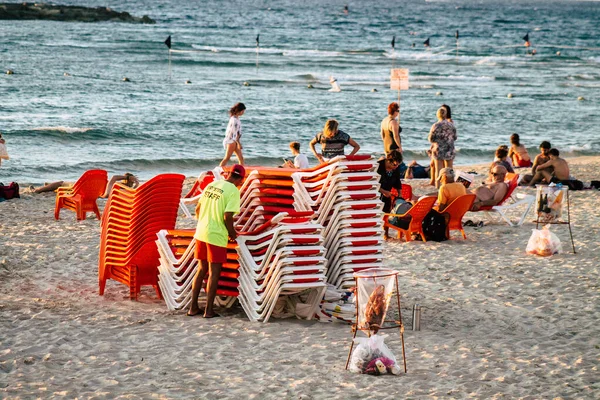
[
  {"x": 393, "y": 163},
  {"x": 498, "y": 173}
]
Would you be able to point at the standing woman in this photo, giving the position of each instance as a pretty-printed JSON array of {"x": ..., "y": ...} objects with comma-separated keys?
[
  {"x": 442, "y": 136},
  {"x": 332, "y": 141},
  {"x": 390, "y": 130},
  {"x": 233, "y": 135}
]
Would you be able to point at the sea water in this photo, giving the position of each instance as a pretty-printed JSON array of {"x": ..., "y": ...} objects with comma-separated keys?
[{"x": 66, "y": 108}]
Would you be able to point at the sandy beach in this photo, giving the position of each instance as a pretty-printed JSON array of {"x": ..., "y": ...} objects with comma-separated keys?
[{"x": 496, "y": 322}]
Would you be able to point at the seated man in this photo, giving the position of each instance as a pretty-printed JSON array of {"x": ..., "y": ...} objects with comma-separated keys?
[
  {"x": 490, "y": 194},
  {"x": 540, "y": 159},
  {"x": 449, "y": 190},
  {"x": 554, "y": 170}
]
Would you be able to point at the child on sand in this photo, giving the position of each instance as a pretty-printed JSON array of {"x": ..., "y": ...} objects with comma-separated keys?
[
  {"x": 501, "y": 159},
  {"x": 300, "y": 160},
  {"x": 518, "y": 153}
]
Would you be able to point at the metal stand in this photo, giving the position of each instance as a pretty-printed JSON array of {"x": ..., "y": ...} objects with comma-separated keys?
[
  {"x": 567, "y": 222},
  {"x": 391, "y": 324}
]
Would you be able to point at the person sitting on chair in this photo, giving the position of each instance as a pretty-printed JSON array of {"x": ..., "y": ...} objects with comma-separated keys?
[
  {"x": 449, "y": 190},
  {"x": 491, "y": 194},
  {"x": 389, "y": 179}
]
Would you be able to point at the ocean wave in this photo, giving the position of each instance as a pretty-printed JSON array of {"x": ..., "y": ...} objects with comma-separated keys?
[
  {"x": 277, "y": 51},
  {"x": 63, "y": 129}
]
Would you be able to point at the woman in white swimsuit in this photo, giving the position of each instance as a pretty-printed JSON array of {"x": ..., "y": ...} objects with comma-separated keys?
[{"x": 233, "y": 135}]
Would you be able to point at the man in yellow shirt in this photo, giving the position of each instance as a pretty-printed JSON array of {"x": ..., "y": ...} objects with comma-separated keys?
[
  {"x": 220, "y": 201},
  {"x": 449, "y": 190}
]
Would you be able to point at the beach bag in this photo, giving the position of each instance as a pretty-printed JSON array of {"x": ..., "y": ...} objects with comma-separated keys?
[
  {"x": 543, "y": 242},
  {"x": 372, "y": 356},
  {"x": 9, "y": 192},
  {"x": 434, "y": 226},
  {"x": 401, "y": 206}
]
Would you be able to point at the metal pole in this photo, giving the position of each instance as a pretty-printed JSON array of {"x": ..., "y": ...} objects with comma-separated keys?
[
  {"x": 398, "y": 108},
  {"x": 355, "y": 325},
  {"x": 569, "y": 220},
  {"x": 401, "y": 324},
  {"x": 456, "y": 50},
  {"x": 169, "y": 64}
]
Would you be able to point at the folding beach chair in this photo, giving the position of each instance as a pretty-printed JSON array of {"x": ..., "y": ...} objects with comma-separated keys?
[{"x": 509, "y": 204}]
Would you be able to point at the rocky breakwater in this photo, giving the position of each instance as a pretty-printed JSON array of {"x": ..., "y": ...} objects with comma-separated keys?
[{"x": 52, "y": 12}]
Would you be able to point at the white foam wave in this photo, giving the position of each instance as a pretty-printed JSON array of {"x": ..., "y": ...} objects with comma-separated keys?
[
  {"x": 583, "y": 147},
  {"x": 305, "y": 53},
  {"x": 65, "y": 129},
  {"x": 267, "y": 50}
]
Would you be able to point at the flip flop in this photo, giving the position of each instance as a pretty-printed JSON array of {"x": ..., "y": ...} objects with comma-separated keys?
[
  {"x": 469, "y": 223},
  {"x": 215, "y": 315}
]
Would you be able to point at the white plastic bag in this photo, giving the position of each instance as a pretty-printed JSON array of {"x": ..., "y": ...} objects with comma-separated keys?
[
  {"x": 372, "y": 356},
  {"x": 543, "y": 242}
]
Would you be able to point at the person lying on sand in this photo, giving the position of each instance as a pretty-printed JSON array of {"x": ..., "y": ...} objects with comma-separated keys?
[
  {"x": 556, "y": 169},
  {"x": 490, "y": 194},
  {"x": 129, "y": 180},
  {"x": 417, "y": 171}
]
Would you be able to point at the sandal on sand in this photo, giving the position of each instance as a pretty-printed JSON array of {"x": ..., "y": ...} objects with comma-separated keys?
[
  {"x": 215, "y": 315},
  {"x": 469, "y": 223}
]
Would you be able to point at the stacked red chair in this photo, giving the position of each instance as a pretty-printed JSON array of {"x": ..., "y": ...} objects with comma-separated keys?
[
  {"x": 178, "y": 267},
  {"x": 82, "y": 196},
  {"x": 131, "y": 220}
]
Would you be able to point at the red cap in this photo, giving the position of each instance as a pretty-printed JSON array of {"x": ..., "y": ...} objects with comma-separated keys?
[{"x": 238, "y": 170}]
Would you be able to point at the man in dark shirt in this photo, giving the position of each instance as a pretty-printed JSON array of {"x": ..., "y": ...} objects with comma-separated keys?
[{"x": 389, "y": 178}]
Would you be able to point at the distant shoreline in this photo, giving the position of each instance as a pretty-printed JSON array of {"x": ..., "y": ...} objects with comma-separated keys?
[{"x": 51, "y": 12}]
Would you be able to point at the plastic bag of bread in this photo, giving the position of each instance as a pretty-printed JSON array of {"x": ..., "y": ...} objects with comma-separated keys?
[{"x": 544, "y": 243}]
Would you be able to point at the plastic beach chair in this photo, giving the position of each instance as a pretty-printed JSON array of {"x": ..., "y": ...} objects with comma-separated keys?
[
  {"x": 417, "y": 213},
  {"x": 82, "y": 196},
  {"x": 456, "y": 210}
]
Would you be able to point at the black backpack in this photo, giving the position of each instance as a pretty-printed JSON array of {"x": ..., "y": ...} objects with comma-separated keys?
[{"x": 434, "y": 226}]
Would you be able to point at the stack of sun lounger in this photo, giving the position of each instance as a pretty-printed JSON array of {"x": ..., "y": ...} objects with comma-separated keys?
[
  {"x": 178, "y": 267},
  {"x": 344, "y": 194},
  {"x": 299, "y": 230},
  {"x": 285, "y": 257},
  {"x": 131, "y": 219}
]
